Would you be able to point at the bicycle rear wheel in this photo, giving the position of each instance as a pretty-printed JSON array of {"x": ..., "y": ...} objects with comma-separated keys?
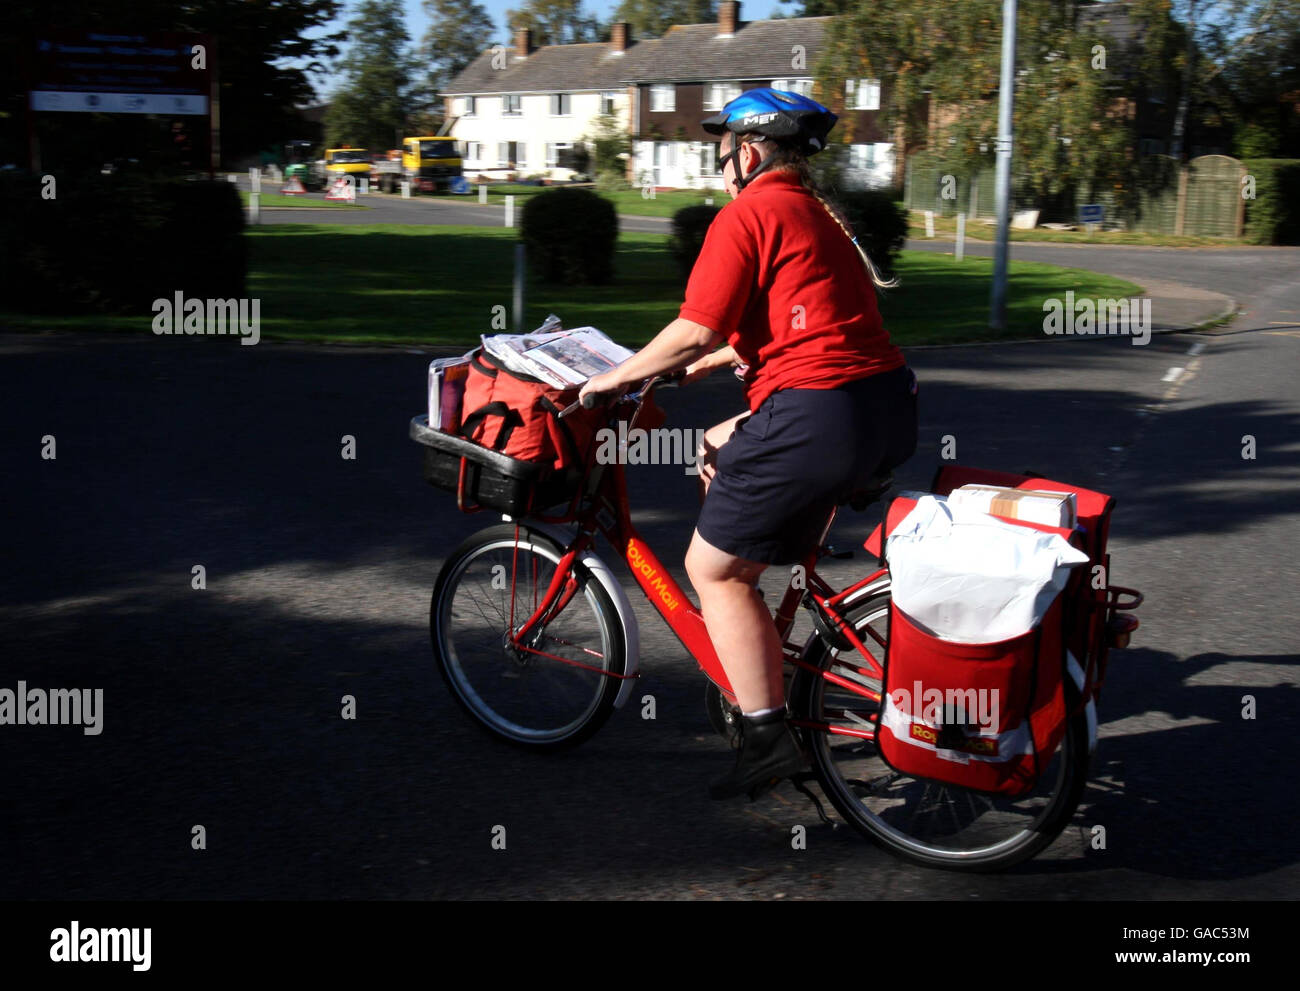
[
  {"x": 558, "y": 688},
  {"x": 925, "y": 822}
]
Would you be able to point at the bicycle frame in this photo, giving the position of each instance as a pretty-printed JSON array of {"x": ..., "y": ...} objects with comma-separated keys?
[{"x": 609, "y": 513}]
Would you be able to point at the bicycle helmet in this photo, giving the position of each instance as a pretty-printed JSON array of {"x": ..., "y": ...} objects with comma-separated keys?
[{"x": 775, "y": 114}]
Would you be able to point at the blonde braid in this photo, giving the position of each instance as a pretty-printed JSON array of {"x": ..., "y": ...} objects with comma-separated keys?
[{"x": 876, "y": 278}]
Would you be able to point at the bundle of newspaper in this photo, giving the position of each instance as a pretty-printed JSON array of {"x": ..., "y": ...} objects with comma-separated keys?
[{"x": 559, "y": 357}]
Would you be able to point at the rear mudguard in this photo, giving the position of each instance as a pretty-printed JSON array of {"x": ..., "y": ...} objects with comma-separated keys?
[{"x": 609, "y": 581}]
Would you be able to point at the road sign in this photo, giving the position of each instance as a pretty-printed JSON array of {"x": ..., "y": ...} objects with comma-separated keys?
[
  {"x": 86, "y": 72},
  {"x": 1091, "y": 213}
]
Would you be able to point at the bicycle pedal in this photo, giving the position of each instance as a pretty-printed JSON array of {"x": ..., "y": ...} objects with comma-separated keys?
[{"x": 798, "y": 780}]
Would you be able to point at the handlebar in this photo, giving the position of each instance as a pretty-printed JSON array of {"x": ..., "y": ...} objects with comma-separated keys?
[{"x": 592, "y": 399}]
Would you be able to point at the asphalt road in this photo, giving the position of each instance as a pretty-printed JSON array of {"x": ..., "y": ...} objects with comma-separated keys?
[
  {"x": 222, "y": 705},
  {"x": 421, "y": 209}
]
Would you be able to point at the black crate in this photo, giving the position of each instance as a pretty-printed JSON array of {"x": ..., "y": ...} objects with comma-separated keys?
[{"x": 492, "y": 480}]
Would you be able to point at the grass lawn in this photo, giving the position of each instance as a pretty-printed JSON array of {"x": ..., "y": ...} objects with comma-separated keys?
[
  {"x": 626, "y": 201},
  {"x": 280, "y": 199},
  {"x": 945, "y": 228},
  {"x": 422, "y": 284}
]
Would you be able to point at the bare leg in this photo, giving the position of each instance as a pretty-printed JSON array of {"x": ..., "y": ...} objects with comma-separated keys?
[{"x": 739, "y": 625}]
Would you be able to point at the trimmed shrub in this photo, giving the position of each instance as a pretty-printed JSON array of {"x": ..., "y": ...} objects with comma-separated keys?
[
  {"x": 570, "y": 235},
  {"x": 1273, "y": 216},
  {"x": 690, "y": 225},
  {"x": 116, "y": 243},
  {"x": 879, "y": 223}
]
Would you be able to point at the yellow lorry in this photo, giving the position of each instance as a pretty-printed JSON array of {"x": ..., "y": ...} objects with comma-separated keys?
[
  {"x": 340, "y": 161},
  {"x": 428, "y": 163}
]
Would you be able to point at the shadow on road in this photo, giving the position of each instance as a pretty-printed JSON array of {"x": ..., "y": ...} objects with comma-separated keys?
[{"x": 222, "y": 705}]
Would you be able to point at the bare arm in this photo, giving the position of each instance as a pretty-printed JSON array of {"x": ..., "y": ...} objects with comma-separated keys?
[
  {"x": 674, "y": 347},
  {"x": 711, "y": 363}
]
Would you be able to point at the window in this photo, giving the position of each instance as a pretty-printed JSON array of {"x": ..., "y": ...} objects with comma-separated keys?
[
  {"x": 663, "y": 98},
  {"x": 607, "y": 102},
  {"x": 511, "y": 153},
  {"x": 560, "y": 105},
  {"x": 862, "y": 156},
  {"x": 863, "y": 94},
  {"x": 666, "y": 154},
  {"x": 558, "y": 154},
  {"x": 474, "y": 151},
  {"x": 510, "y": 103},
  {"x": 467, "y": 106},
  {"x": 718, "y": 95},
  {"x": 801, "y": 86},
  {"x": 708, "y": 158}
]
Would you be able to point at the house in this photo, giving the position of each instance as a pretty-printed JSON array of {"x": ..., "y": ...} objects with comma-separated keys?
[
  {"x": 526, "y": 106},
  {"x": 524, "y": 109}
]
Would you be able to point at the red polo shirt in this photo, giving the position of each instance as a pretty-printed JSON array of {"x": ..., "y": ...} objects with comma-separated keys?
[{"x": 779, "y": 278}]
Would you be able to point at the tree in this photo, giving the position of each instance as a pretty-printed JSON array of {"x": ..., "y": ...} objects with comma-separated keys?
[
  {"x": 371, "y": 108},
  {"x": 459, "y": 31},
  {"x": 939, "y": 67},
  {"x": 651, "y": 18},
  {"x": 820, "y": 8},
  {"x": 1253, "y": 46},
  {"x": 265, "y": 54},
  {"x": 610, "y": 148},
  {"x": 554, "y": 22}
]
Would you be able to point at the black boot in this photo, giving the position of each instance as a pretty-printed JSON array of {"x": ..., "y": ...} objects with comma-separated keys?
[{"x": 768, "y": 753}]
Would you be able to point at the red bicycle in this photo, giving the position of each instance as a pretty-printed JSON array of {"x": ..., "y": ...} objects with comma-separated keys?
[{"x": 538, "y": 643}]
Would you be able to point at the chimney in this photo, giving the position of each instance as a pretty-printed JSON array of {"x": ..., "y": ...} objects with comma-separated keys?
[
  {"x": 728, "y": 17},
  {"x": 523, "y": 42},
  {"x": 620, "y": 36}
]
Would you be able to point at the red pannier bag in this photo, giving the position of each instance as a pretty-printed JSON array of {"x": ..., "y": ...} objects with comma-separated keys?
[
  {"x": 1085, "y": 596},
  {"x": 519, "y": 416},
  {"x": 938, "y": 693}
]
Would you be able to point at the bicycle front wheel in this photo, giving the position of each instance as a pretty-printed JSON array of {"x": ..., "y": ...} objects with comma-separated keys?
[
  {"x": 557, "y": 687},
  {"x": 923, "y": 821}
]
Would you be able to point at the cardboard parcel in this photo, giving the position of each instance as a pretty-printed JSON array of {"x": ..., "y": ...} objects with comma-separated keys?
[
  {"x": 964, "y": 576},
  {"x": 1032, "y": 505}
]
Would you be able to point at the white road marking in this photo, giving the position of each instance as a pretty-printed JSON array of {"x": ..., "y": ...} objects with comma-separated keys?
[{"x": 1172, "y": 375}]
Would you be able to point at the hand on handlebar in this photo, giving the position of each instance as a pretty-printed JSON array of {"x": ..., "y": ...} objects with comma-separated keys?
[{"x": 598, "y": 389}]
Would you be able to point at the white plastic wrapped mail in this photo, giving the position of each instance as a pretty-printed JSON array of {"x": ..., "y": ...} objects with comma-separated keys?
[{"x": 963, "y": 576}]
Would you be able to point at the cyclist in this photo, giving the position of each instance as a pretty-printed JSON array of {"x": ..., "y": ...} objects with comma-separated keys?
[{"x": 831, "y": 401}]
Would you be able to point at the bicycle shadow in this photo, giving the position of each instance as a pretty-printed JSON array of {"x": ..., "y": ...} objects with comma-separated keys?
[{"x": 1188, "y": 790}]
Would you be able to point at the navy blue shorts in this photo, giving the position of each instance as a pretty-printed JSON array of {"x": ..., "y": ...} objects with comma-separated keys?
[{"x": 800, "y": 454}]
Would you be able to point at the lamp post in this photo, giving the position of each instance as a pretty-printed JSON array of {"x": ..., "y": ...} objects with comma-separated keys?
[{"x": 1006, "y": 104}]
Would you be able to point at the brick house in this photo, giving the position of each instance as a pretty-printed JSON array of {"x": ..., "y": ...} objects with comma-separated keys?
[{"x": 526, "y": 106}]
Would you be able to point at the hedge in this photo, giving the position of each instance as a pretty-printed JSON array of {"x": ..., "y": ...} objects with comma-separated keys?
[
  {"x": 1273, "y": 216},
  {"x": 115, "y": 243},
  {"x": 570, "y": 235},
  {"x": 690, "y": 225}
]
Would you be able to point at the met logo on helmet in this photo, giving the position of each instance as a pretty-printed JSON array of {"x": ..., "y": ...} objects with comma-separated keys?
[{"x": 755, "y": 119}]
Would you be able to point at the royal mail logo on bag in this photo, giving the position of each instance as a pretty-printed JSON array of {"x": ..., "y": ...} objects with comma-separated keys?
[{"x": 982, "y": 745}]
